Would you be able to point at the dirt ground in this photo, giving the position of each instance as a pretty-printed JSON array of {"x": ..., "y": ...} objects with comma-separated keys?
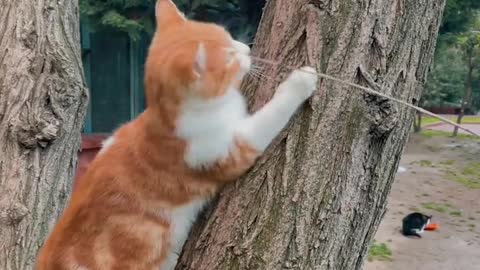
[{"x": 434, "y": 183}]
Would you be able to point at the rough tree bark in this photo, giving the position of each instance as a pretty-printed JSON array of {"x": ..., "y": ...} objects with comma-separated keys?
[
  {"x": 317, "y": 197},
  {"x": 42, "y": 103}
]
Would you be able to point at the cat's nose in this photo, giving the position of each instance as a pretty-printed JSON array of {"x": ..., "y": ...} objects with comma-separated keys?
[{"x": 241, "y": 47}]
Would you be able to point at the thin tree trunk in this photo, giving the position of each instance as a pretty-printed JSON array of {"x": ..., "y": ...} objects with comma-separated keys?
[
  {"x": 417, "y": 126},
  {"x": 316, "y": 198},
  {"x": 42, "y": 103},
  {"x": 467, "y": 92},
  {"x": 460, "y": 116}
]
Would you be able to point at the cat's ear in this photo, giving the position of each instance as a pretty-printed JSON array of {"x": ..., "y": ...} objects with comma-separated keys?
[
  {"x": 167, "y": 14},
  {"x": 200, "y": 61}
]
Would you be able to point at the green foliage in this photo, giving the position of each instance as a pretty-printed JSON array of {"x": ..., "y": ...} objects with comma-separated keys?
[
  {"x": 423, "y": 163},
  {"x": 458, "y": 15},
  {"x": 457, "y": 44},
  {"x": 469, "y": 176},
  {"x": 446, "y": 79},
  {"x": 136, "y": 17},
  {"x": 130, "y": 16}
]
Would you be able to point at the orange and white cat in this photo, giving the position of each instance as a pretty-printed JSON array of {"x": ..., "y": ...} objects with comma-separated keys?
[{"x": 135, "y": 205}]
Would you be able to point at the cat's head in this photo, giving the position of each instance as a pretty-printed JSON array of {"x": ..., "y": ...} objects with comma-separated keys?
[
  {"x": 190, "y": 58},
  {"x": 426, "y": 218}
]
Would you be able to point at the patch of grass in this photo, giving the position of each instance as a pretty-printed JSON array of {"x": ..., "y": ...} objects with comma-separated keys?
[
  {"x": 449, "y": 205},
  {"x": 471, "y": 120},
  {"x": 379, "y": 252},
  {"x": 414, "y": 209},
  {"x": 471, "y": 225},
  {"x": 428, "y": 120},
  {"x": 442, "y": 208},
  {"x": 469, "y": 183},
  {"x": 434, "y": 148},
  {"x": 448, "y": 162},
  {"x": 435, "y": 206},
  {"x": 423, "y": 163},
  {"x": 471, "y": 218},
  {"x": 472, "y": 169},
  {"x": 469, "y": 176},
  {"x": 436, "y": 133},
  {"x": 456, "y": 213}
]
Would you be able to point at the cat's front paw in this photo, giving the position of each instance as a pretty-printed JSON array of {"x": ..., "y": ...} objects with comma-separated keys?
[{"x": 300, "y": 83}]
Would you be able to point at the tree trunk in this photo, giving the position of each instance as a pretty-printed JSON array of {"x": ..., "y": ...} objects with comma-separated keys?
[
  {"x": 42, "y": 103},
  {"x": 316, "y": 198},
  {"x": 467, "y": 91},
  {"x": 417, "y": 126}
]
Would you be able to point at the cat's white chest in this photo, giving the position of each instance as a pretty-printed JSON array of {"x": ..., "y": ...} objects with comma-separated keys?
[
  {"x": 181, "y": 221},
  {"x": 209, "y": 127}
]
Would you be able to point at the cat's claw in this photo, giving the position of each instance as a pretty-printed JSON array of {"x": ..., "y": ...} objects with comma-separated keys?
[{"x": 301, "y": 82}]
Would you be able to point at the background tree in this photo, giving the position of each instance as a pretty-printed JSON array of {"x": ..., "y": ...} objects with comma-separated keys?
[
  {"x": 458, "y": 15},
  {"x": 42, "y": 102},
  {"x": 446, "y": 81},
  {"x": 470, "y": 45},
  {"x": 317, "y": 197}
]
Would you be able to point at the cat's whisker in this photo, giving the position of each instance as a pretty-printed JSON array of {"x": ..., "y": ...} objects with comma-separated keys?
[
  {"x": 259, "y": 75},
  {"x": 258, "y": 70},
  {"x": 255, "y": 76},
  {"x": 263, "y": 75}
]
